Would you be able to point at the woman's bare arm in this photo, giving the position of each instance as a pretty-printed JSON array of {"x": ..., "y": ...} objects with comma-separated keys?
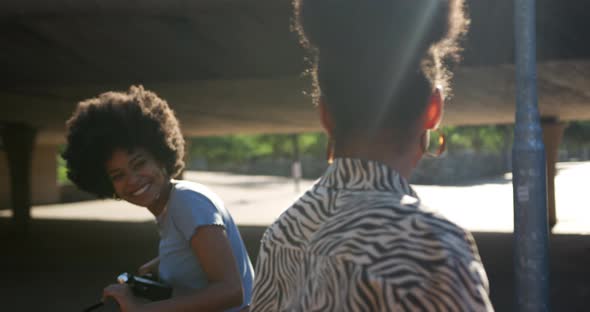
[
  {"x": 212, "y": 247},
  {"x": 149, "y": 267}
]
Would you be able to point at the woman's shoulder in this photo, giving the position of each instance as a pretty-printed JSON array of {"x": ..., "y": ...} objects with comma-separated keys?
[
  {"x": 192, "y": 191},
  {"x": 386, "y": 224},
  {"x": 458, "y": 241}
]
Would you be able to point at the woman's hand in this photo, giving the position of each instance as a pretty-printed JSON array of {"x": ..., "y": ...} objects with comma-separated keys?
[{"x": 123, "y": 295}]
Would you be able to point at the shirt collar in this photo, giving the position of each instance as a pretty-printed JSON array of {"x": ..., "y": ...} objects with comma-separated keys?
[{"x": 360, "y": 174}]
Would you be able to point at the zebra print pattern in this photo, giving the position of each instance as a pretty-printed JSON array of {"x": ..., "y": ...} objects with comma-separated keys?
[{"x": 359, "y": 240}]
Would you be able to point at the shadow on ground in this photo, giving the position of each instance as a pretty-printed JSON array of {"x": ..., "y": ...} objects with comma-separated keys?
[{"x": 63, "y": 265}]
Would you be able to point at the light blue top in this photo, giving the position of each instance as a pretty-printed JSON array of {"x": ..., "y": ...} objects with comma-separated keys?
[{"x": 192, "y": 205}]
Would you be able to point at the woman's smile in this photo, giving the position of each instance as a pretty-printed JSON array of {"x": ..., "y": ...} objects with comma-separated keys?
[
  {"x": 136, "y": 176},
  {"x": 141, "y": 190}
]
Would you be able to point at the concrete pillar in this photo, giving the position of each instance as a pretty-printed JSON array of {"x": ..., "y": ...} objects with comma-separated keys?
[
  {"x": 296, "y": 171},
  {"x": 552, "y": 135},
  {"x": 18, "y": 139},
  {"x": 5, "y": 202},
  {"x": 44, "y": 188}
]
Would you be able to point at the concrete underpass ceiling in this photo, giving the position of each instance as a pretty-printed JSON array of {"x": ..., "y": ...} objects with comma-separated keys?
[{"x": 230, "y": 66}]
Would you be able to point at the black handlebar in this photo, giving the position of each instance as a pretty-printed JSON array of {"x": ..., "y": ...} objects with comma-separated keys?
[{"x": 141, "y": 286}]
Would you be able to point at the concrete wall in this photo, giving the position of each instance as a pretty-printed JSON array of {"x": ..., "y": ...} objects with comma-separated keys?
[
  {"x": 451, "y": 168},
  {"x": 44, "y": 189},
  {"x": 460, "y": 167}
]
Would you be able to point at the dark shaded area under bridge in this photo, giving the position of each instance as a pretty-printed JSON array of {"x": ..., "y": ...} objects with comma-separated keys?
[
  {"x": 221, "y": 63},
  {"x": 63, "y": 265},
  {"x": 234, "y": 66}
]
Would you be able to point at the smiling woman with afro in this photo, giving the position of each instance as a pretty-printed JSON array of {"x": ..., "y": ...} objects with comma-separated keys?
[{"x": 128, "y": 145}]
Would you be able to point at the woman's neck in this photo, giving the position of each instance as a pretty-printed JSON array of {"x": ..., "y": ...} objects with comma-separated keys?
[
  {"x": 402, "y": 159},
  {"x": 162, "y": 199}
]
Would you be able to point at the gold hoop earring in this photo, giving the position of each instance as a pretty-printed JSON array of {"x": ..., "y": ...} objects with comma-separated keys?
[
  {"x": 330, "y": 151},
  {"x": 442, "y": 144}
]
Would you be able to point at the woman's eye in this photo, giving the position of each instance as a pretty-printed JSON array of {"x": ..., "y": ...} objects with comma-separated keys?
[
  {"x": 139, "y": 164},
  {"x": 116, "y": 177}
]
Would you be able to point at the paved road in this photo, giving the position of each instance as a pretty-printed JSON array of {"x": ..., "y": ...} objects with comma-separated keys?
[
  {"x": 484, "y": 205},
  {"x": 70, "y": 254}
]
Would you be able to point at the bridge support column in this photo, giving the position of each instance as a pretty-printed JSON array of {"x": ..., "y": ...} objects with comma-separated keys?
[
  {"x": 19, "y": 139},
  {"x": 552, "y": 135},
  {"x": 44, "y": 186}
]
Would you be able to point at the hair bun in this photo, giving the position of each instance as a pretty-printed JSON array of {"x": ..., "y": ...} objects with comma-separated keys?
[
  {"x": 332, "y": 24},
  {"x": 381, "y": 53}
]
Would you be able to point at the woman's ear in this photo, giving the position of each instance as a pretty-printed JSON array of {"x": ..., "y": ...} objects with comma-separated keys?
[
  {"x": 433, "y": 113},
  {"x": 325, "y": 117}
]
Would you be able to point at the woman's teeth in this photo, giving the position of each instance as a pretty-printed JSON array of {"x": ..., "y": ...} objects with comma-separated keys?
[{"x": 141, "y": 190}]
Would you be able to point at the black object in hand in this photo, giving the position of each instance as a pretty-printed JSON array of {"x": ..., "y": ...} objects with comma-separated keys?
[
  {"x": 141, "y": 286},
  {"x": 145, "y": 287}
]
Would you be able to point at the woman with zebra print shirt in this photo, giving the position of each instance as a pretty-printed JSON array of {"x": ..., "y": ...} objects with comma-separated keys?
[{"x": 360, "y": 239}]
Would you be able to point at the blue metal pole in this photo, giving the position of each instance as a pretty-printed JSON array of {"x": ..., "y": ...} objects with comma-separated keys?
[{"x": 531, "y": 232}]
